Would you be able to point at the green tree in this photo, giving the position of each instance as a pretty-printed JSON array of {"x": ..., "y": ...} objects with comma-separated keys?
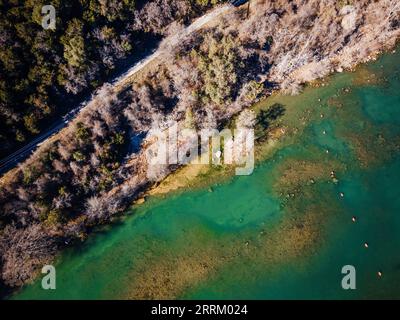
[{"x": 219, "y": 68}]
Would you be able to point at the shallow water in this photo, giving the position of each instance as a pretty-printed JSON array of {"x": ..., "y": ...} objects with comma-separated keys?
[{"x": 284, "y": 231}]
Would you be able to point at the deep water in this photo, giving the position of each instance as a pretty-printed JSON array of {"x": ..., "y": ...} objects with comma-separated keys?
[{"x": 285, "y": 231}]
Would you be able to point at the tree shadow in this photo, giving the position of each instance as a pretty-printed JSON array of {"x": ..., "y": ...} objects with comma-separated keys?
[{"x": 266, "y": 117}]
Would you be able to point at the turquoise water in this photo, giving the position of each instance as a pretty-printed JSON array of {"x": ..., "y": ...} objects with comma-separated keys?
[{"x": 284, "y": 231}]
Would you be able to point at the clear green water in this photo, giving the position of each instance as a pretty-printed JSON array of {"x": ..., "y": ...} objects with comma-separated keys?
[{"x": 284, "y": 231}]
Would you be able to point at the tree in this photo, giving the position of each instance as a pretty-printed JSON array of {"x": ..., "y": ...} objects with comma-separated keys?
[
  {"x": 96, "y": 209},
  {"x": 22, "y": 251},
  {"x": 218, "y": 63}
]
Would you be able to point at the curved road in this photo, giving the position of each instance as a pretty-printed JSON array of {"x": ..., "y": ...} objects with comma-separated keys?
[{"x": 120, "y": 82}]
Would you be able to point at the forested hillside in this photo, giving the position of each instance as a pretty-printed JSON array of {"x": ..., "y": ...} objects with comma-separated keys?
[{"x": 43, "y": 73}]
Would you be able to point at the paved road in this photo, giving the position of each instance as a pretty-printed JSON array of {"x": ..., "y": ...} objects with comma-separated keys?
[{"x": 120, "y": 82}]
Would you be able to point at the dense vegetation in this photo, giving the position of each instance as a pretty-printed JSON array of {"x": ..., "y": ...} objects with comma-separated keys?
[
  {"x": 88, "y": 173},
  {"x": 44, "y": 72}
]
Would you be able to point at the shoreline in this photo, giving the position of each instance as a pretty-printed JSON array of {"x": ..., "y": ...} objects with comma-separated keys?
[{"x": 193, "y": 175}]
